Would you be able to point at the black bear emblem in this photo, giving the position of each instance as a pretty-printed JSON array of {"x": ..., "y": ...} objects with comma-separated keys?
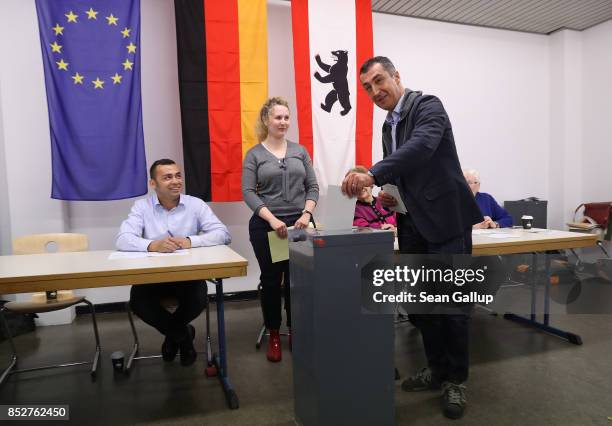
[{"x": 337, "y": 77}]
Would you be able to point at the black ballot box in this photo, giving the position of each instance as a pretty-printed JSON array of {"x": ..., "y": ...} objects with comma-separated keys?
[
  {"x": 530, "y": 207},
  {"x": 343, "y": 358}
]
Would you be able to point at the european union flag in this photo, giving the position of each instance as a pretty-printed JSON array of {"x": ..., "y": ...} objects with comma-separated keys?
[{"x": 91, "y": 57}]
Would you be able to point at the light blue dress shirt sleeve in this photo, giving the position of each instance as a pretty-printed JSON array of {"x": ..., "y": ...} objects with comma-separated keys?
[
  {"x": 211, "y": 231},
  {"x": 130, "y": 236}
]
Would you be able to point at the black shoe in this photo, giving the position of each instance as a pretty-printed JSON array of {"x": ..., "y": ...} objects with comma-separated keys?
[
  {"x": 169, "y": 349},
  {"x": 453, "y": 400},
  {"x": 188, "y": 352},
  {"x": 422, "y": 380}
]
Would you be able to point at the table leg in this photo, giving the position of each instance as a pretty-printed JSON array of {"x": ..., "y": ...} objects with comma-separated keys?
[
  {"x": 534, "y": 272},
  {"x": 547, "y": 289},
  {"x": 220, "y": 360},
  {"x": 532, "y": 321}
]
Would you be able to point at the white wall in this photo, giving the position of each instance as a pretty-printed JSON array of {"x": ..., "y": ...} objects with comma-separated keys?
[
  {"x": 5, "y": 218},
  {"x": 565, "y": 153},
  {"x": 25, "y": 123},
  {"x": 596, "y": 114},
  {"x": 495, "y": 87},
  {"x": 513, "y": 98}
]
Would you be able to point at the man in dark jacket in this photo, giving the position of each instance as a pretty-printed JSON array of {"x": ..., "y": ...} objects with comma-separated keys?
[{"x": 420, "y": 157}]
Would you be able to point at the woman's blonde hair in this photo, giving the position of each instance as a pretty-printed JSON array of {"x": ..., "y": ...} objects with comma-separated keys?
[
  {"x": 359, "y": 169},
  {"x": 261, "y": 127}
]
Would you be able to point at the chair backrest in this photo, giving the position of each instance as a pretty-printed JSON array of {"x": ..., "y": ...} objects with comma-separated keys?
[
  {"x": 599, "y": 212},
  {"x": 44, "y": 243}
]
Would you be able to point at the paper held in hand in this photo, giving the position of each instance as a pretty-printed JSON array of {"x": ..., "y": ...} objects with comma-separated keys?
[
  {"x": 394, "y": 192},
  {"x": 339, "y": 210},
  {"x": 279, "y": 248}
]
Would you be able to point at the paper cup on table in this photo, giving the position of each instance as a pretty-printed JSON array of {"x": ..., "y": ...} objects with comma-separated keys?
[{"x": 526, "y": 221}]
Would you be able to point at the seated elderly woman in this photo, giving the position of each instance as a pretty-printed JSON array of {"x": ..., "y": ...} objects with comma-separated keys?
[
  {"x": 495, "y": 216},
  {"x": 369, "y": 212}
]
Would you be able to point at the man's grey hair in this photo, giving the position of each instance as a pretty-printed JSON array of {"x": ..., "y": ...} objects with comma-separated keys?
[{"x": 471, "y": 172}]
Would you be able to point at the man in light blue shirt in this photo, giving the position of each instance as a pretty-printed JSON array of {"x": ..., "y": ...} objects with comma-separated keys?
[
  {"x": 166, "y": 222},
  {"x": 393, "y": 117}
]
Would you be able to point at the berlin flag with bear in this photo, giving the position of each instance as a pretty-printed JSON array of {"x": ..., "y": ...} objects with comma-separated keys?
[{"x": 330, "y": 42}]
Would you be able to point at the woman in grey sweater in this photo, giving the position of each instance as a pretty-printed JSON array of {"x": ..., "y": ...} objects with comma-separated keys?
[{"x": 280, "y": 186}]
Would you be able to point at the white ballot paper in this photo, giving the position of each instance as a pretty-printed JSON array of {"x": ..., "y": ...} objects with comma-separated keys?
[
  {"x": 394, "y": 192},
  {"x": 180, "y": 252},
  {"x": 142, "y": 254},
  {"x": 339, "y": 210},
  {"x": 127, "y": 255}
]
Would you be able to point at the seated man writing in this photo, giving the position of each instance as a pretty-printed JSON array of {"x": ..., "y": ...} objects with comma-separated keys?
[
  {"x": 166, "y": 222},
  {"x": 495, "y": 216}
]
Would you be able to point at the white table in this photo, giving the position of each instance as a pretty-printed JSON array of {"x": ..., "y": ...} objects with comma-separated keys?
[{"x": 536, "y": 241}]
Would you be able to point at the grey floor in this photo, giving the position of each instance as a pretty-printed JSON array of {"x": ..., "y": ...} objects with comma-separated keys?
[{"x": 518, "y": 376}]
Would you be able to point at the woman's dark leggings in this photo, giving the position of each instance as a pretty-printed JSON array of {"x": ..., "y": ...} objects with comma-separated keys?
[{"x": 272, "y": 274}]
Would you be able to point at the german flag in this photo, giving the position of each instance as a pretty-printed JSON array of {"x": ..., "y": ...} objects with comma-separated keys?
[{"x": 222, "y": 49}]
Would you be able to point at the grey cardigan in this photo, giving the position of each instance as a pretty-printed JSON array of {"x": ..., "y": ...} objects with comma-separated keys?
[{"x": 283, "y": 186}]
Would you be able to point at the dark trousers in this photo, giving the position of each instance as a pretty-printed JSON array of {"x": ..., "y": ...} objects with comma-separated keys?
[
  {"x": 272, "y": 274},
  {"x": 445, "y": 337},
  {"x": 145, "y": 301}
]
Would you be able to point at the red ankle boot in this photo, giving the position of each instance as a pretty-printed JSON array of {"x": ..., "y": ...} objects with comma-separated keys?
[{"x": 274, "y": 353}]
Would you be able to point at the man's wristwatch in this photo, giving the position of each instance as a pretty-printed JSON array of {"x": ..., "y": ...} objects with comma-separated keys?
[{"x": 307, "y": 211}]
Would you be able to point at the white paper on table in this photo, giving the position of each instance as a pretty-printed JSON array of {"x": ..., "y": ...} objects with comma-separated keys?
[
  {"x": 339, "y": 211},
  {"x": 504, "y": 235},
  {"x": 142, "y": 254},
  {"x": 482, "y": 231},
  {"x": 174, "y": 253},
  {"x": 538, "y": 231},
  {"x": 394, "y": 192},
  {"x": 127, "y": 255}
]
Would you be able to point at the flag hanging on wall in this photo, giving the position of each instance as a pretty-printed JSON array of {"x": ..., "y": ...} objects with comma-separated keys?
[
  {"x": 330, "y": 42},
  {"x": 91, "y": 59},
  {"x": 223, "y": 80}
]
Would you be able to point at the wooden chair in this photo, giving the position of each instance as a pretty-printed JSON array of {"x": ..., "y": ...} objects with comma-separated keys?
[{"x": 43, "y": 243}]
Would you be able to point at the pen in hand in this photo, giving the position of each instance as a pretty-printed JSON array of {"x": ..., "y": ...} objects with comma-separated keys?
[
  {"x": 172, "y": 236},
  {"x": 178, "y": 243}
]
